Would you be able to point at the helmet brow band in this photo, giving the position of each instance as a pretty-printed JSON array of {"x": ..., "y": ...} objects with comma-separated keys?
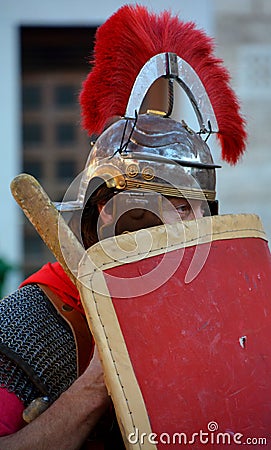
[{"x": 172, "y": 191}]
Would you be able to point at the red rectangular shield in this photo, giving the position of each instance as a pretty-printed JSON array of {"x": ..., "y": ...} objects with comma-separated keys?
[{"x": 182, "y": 318}]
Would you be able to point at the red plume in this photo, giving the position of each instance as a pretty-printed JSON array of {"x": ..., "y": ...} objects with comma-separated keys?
[{"x": 126, "y": 41}]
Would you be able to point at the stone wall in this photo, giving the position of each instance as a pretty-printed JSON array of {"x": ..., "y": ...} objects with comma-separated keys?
[{"x": 243, "y": 37}]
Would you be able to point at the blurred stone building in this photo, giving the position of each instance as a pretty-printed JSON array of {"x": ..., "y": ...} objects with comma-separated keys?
[{"x": 242, "y": 30}]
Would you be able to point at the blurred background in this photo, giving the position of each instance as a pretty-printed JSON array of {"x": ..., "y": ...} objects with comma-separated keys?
[{"x": 45, "y": 47}]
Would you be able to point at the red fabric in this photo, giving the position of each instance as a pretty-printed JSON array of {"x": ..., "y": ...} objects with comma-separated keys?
[
  {"x": 53, "y": 276},
  {"x": 11, "y": 413}
]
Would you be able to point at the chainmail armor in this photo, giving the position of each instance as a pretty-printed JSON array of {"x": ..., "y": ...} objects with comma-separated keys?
[{"x": 37, "y": 348}]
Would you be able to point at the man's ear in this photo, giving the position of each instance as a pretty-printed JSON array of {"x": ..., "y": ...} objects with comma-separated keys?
[{"x": 104, "y": 216}]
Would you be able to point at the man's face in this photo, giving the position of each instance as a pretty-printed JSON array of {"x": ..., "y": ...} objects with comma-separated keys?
[{"x": 162, "y": 209}]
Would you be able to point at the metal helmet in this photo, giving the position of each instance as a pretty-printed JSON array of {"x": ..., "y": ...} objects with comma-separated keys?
[
  {"x": 146, "y": 148},
  {"x": 155, "y": 153}
]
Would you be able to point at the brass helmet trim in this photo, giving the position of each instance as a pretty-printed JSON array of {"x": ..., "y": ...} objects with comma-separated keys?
[{"x": 171, "y": 191}]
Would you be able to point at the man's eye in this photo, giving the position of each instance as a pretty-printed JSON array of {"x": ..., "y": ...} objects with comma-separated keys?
[{"x": 183, "y": 208}]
